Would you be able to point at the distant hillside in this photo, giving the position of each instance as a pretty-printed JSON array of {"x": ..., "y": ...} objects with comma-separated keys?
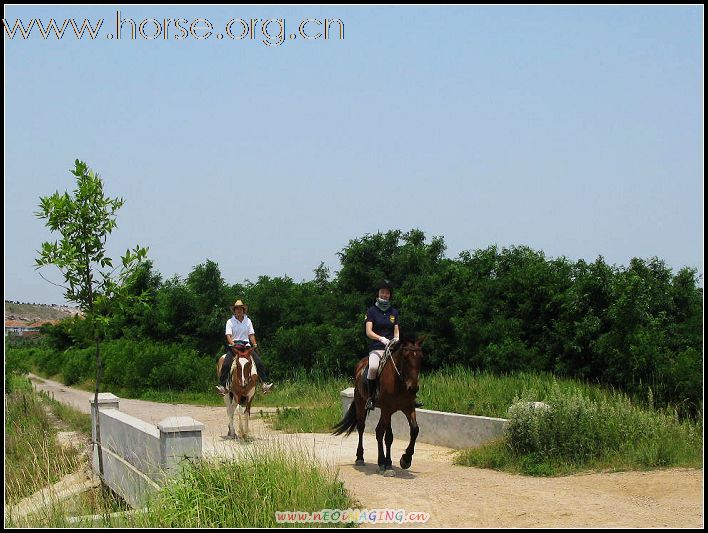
[{"x": 30, "y": 313}]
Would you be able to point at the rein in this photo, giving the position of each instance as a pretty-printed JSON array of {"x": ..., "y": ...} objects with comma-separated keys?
[{"x": 388, "y": 354}]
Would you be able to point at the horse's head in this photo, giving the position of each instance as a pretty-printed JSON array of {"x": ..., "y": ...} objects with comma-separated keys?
[
  {"x": 241, "y": 369},
  {"x": 411, "y": 361}
]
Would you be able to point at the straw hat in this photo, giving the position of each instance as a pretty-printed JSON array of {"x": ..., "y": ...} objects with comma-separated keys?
[{"x": 239, "y": 303}]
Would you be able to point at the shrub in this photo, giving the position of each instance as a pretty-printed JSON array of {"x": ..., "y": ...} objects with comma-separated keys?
[{"x": 578, "y": 429}]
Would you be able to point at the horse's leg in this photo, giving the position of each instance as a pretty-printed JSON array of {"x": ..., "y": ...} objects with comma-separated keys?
[
  {"x": 230, "y": 411},
  {"x": 240, "y": 421},
  {"x": 381, "y": 429},
  {"x": 247, "y": 414},
  {"x": 407, "y": 457},
  {"x": 360, "y": 424},
  {"x": 389, "y": 441}
]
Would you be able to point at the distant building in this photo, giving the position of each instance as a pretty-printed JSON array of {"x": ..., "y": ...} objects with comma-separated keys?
[{"x": 16, "y": 327}]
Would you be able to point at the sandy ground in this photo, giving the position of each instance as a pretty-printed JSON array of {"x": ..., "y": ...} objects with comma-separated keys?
[{"x": 455, "y": 496}]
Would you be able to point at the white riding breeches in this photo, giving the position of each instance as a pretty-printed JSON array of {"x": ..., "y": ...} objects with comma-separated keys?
[{"x": 374, "y": 359}]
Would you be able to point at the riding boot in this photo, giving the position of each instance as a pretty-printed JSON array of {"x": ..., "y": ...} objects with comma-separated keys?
[
  {"x": 226, "y": 367},
  {"x": 371, "y": 388},
  {"x": 262, "y": 372}
]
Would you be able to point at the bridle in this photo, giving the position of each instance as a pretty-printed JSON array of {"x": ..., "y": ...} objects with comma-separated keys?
[{"x": 393, "y": 360}]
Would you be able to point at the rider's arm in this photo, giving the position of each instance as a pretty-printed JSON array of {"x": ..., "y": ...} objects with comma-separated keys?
[
  {"x": 252, "y": 338},
  {"x": 370, "y": 332},
  {"x": 396, "y": 332},
  {"x": 228, "y": 333}
]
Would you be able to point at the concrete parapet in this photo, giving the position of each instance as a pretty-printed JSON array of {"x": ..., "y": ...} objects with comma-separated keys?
[
  {"x": 436, "y": 427},
  {"x": 137, "y": 456}
]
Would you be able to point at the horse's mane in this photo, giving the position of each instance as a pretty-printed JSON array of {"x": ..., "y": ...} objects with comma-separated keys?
[{"x": 408, "y": 337}]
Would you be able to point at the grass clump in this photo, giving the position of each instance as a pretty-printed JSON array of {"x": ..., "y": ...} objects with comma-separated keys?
[{"x": 245, "y": 492}]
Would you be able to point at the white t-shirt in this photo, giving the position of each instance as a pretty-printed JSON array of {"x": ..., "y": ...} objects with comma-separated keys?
[{"x": 240, "y": 331}]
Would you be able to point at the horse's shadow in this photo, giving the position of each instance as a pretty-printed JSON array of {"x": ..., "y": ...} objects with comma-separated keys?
[
  {"x": 373, "y": 470},
  {"x": 240, "y": 440}
]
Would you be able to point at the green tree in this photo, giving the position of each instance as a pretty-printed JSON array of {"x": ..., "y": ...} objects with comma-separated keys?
[
  {"x": 210, "y": 299},
  {"x": 84, "y": 220}
]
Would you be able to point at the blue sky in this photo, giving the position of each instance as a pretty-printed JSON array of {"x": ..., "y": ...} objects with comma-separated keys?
[{"x": 574, "y": 130}]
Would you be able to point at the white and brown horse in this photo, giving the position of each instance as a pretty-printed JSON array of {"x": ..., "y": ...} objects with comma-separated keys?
[{"x": 241, "y": 390}]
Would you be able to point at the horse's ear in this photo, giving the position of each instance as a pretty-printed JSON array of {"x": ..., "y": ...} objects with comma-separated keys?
[{"x": 420, "y": 340}]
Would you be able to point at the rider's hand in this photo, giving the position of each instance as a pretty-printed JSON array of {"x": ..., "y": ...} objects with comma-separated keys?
[
  {"x": 395, "y": 340},
  {"x": 384, "y": 341}
]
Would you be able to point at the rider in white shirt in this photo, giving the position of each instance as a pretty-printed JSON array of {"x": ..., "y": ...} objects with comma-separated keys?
[{"x": 239, "y": 330}]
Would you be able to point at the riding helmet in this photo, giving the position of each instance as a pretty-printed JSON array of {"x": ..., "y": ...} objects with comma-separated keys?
[{"x": 384, "y": 284}]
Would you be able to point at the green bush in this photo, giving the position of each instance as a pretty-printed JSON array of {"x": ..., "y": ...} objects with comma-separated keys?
[
  {"x": 17, "y": 363},
  {"x": 78, "y": 365},
  {"x": 577, "y": 429}
]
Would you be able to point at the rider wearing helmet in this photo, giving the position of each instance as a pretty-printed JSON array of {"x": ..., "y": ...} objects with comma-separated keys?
[{"x": 381, "y": 329}]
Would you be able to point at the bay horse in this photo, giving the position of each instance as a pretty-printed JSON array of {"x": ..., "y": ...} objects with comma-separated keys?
[
  {"x": 241, "y": 390},
  {"x": 398, "y": 385}
]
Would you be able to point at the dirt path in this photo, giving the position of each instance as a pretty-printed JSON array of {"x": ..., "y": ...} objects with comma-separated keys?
[{"x": 458, "y": 496}]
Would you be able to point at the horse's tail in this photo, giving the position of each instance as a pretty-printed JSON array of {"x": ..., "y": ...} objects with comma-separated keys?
[{"x": 348, "y": 423}]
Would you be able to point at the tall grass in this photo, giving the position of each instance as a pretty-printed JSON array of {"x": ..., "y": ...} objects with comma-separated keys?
[
  {"x": 88, "y": 509},
  {"x": 74, "y": 420},
  {"x": 309, "y": 402},
  {"x": 460, "y": 390},
  {"x": 33, "y": 458},
  {"x": 576, "y": 431},
  {"x": 306, "y": 389},
  {"x": 245, "y": 492}
]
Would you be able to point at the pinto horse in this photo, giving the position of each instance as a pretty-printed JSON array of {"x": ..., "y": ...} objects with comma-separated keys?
[
  {"x": 398, "y": 385},
  {"x": 241, "y": 390}
]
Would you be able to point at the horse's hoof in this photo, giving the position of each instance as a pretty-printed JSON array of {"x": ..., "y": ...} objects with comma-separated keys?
[
  {"x": 359, "y": 462},
  {"x": 405, "y": 463},
  {"x": 382, "y": 469},
  {"x": 389, "y": 473}
]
